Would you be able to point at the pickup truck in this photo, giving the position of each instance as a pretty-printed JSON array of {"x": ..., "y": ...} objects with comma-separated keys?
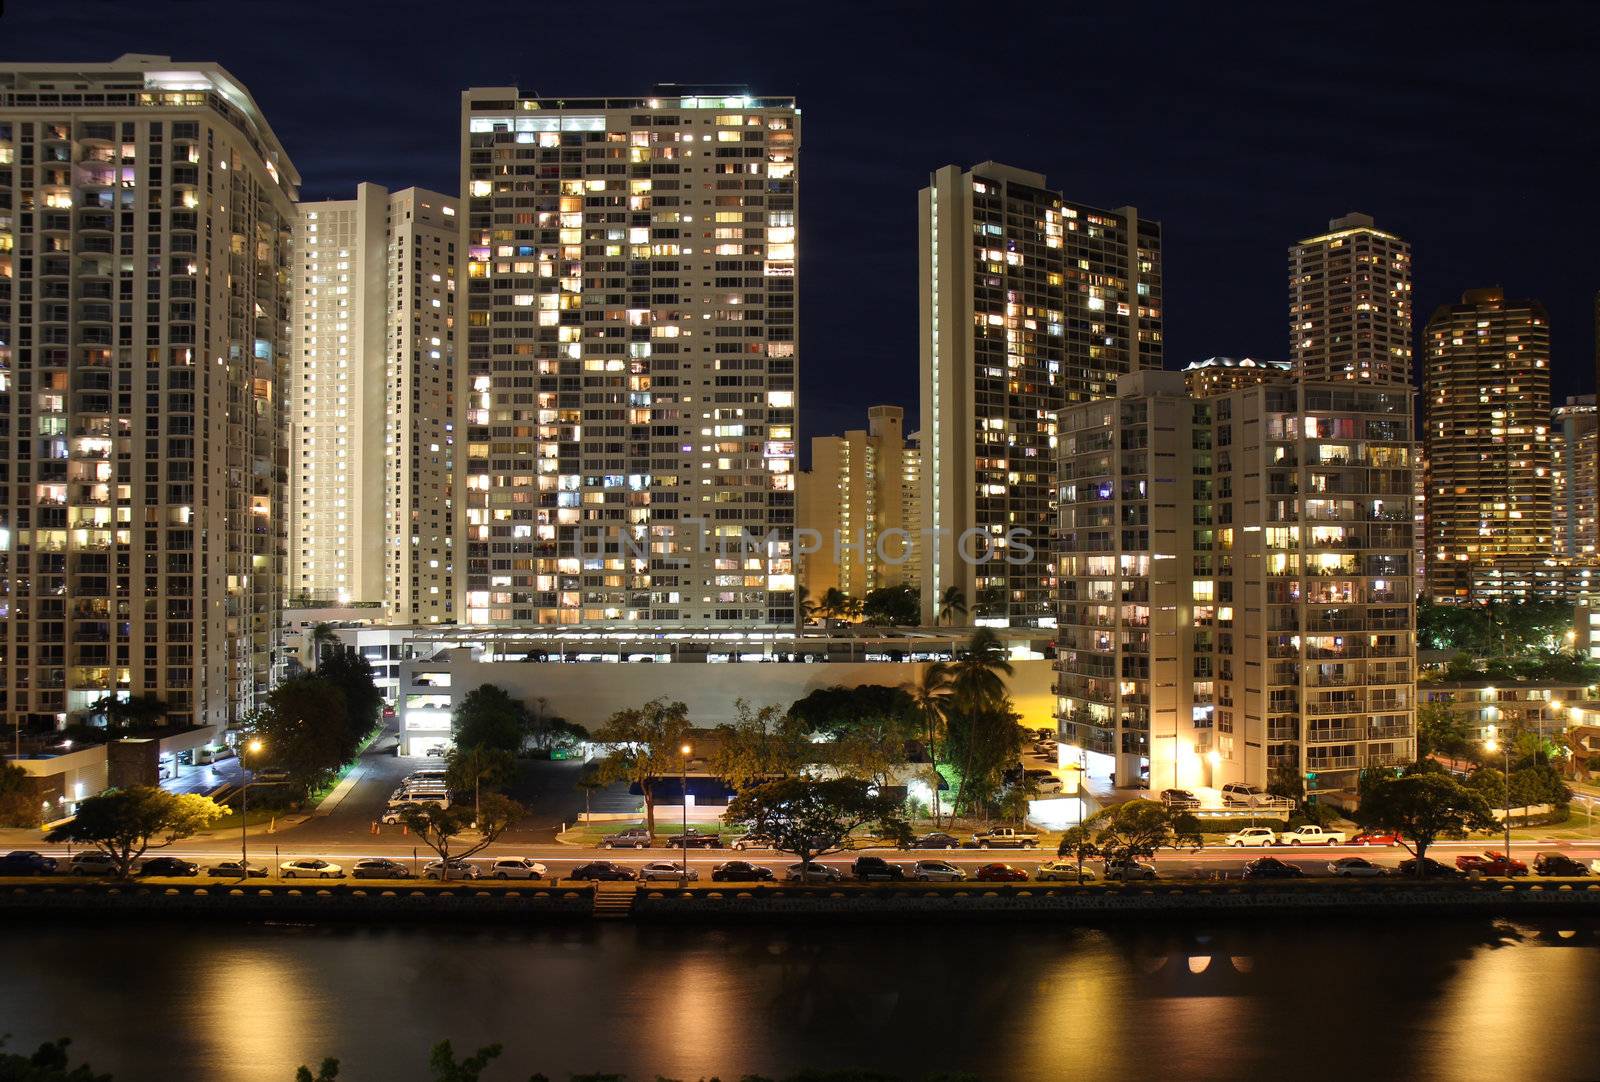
[
  {"x": 1006, "y": 838},
  {"x": 1310, "y": 834}
]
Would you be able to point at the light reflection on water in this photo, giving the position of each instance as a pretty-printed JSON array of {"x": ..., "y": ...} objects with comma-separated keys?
[{"x": 1457, "y": 1000}]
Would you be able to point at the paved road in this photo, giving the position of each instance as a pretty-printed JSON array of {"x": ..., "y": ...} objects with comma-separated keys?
[{"x": 562, "y": 858}]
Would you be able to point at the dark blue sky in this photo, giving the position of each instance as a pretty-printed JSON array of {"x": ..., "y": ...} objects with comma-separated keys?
[{"x": 1469, "y": 128}]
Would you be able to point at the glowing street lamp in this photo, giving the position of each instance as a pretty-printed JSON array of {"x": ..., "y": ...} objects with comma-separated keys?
[
  {"x": 683, "y": 868},
  {"x": 1491, "y": 745},
  {"x": 253, "y": 746}
]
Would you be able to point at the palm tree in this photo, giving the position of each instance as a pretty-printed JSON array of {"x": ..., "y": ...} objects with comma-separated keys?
[
  {"x": 930, "y": 696},
  {"x": 805, "y": 609},
  {"x": 322, "y": 638},
  {"x": 834, "y": 603},
  {"x": 979, "y": 673},
  {"x": 952, "y": 603}
]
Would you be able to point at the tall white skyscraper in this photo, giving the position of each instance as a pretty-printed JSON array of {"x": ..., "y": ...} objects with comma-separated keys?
[
  {"x": 1029, "y": 303},
  {"x": 374, "y": 408},
  {"x": 630, "y": 360},
  {"x": 146, "y": 213}
]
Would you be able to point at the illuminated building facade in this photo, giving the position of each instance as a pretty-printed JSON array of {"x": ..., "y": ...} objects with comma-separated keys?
[
  {"x": 1029, "y": 303},
  {"x": 854, "y": 499},
  {"x": 146, "y": 214},
  {"x": 1219, "y": 375},
  {"x": 1486, "y": 422},
  {"x": 374, "y": 428},
  {"x": 1237, "y": 598},
  {"x": 1350, "y": 304},
  {"x": 630, "y": 362}
]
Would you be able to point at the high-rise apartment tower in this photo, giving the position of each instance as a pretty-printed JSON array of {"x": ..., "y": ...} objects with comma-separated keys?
[
  {"x": 1486, "y": 422},
  {"x": 629, "y": 370},
  {"x": 146, "y": 213},
  {"x": 374, "y": 403},
  {"x": 1029, "y": 302}
]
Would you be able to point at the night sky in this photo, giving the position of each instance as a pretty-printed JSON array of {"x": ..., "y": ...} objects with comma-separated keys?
[{"x": 1468, "y": 128}]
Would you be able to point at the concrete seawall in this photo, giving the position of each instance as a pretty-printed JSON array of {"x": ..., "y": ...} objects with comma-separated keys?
[{"x": 477, "y": 902}]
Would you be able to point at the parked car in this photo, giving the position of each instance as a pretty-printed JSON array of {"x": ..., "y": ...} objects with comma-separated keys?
[
  {"x": 936, "y": 871},
  {"x": 693, "y": 839},
  {"x": 427, "y": 773},
  {"x": 91, "y": 862},
  {"x": 812, "y": 872},
  {"x": 876, "y": 870},
  {"x": 999, "y": 873},
  {"x": 27, "y": 862},
  {"x": 1249, "y": 837},
  {"x": 1310, "y": 834},
  {"x": 1429, "y": 867},
  {"x": 169, "y": 866},
  {"x": 1492, "y": 862},
  {"x": 514, "y": 868},
  {"x": 379, "y": 868},
  {"x": 435, "y": 752},
  {"x": 459, "y": 869},
  {"x": 1127, "y": 871},
  {"x": 1271, "y": 868},
  {"x": 751, "y": 841},
  {"x": 1355, "y": 868},
  {"x": 667, "y": 869},
  {"x": 310, "y": 868},
  {"x": 235, "y": 869},
  {"x": 740, "y": 871},
  {"x": 1558, "y": 864},
  {"x": 1062, "y": 871},
  {"x": 634, "y": 838},
  {"x": 1044, "y": 781},
  {"x": 1006, "y": 838},
  {"x": 1236, "y": 794},
  {"x": 1375, "y": 837},
  {"x": 1179, "y": 799},
  {"x": 602, "y": 871},
  {"x": 937, "y": 839}
]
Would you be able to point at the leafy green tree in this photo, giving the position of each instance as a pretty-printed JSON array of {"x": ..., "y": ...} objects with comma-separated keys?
[
  {"x": 805, "y": 609},
  {"x": 476, "y": 767},
  {"x": 1440, "y": 729},
  {"x": 49, "y": 1063},
  {"x": 1079, "y": 843},
  {"x": 981, "y": 669},
  {"x": 134, "y": 712},
  {"x": 892, "y": 606},
  {"x": 547, "y": 731},
  {"x": 952, "y": 603},
  {"x": 19, "y": 806},
  {"x": 442, "y": 1062},
  {"x": 835, "y": 604},
  {"x": 1423, "y": 807},
  {"x": 304, "y": 728},
  {"x": 327, "y": 1072},
  {"x": 807, "y": 817},
  {"x": 645, "y": 744},
  {"x": 125, "y": 823},
  {"x": 363, "y": 702},
  {"x": 841, "y": 709},
  {"x": 759, "y": 745},
  {"x": 440, "y": 828},
  {"x": 1287, "y": 781},
  {"x": 489, "y": 717},
  {"x": 1141, "y": 828}
]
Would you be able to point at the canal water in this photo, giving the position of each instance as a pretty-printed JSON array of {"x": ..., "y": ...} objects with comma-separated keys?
[{"x": 1454, "y": 1000}]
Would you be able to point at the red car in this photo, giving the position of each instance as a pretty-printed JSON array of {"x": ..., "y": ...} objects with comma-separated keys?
[
  {"x": 1000, "y": 873},
  {"x": 1375, "y": 837},
  {"x": 1492, "y": 862}
]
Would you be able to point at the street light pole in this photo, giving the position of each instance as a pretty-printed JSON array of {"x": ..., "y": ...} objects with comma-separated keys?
[
  {"x": 1492, "y": 745},
  {"x": 251, "y": 746},
  {"x": 683, "y": 782}
]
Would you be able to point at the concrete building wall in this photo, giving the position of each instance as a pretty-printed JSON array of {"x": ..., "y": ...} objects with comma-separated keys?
[{"x": 590, "y": 693}]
